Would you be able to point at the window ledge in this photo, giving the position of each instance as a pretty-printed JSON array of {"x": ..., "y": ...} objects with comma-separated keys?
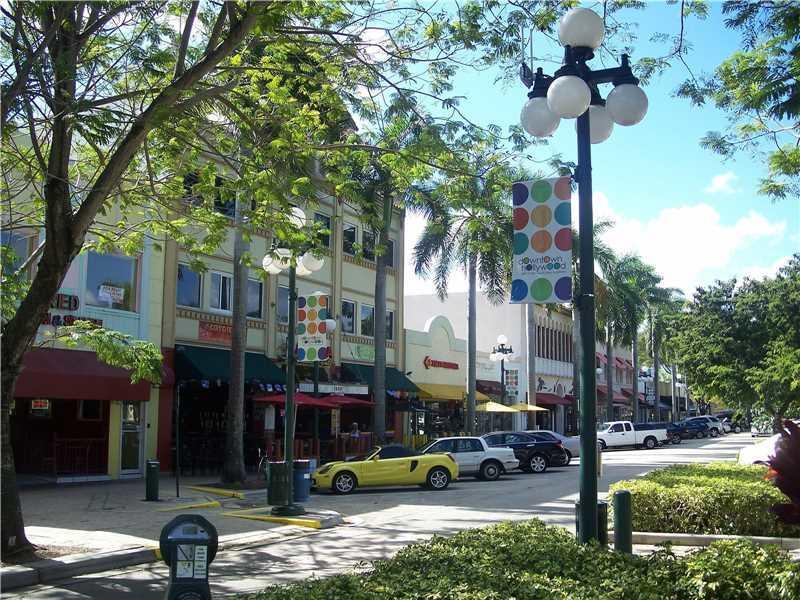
[{"x": 224, "y": 319}]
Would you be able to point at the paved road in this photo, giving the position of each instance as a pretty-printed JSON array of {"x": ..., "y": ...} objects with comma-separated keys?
[{"x": 380, "y": 522}]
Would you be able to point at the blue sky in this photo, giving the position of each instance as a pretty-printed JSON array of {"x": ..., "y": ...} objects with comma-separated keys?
[{"x": 694, "y": 216}]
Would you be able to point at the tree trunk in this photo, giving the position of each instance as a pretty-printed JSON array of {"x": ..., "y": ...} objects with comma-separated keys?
[
  {"x": 472, "y": 342},
  {"x": 14, "y": 538},
  {"x": 577, "y": 353},
  {"x": 609, "y": 375},
  {"x": 379, "y": 381},
  {"x": 673, "y": 384},
  {"x": 635, "y": 383},
  {"x": 656, "y": 368},
  {"x": 530, "y": 339},
  {"x": 233, "y": 470}
]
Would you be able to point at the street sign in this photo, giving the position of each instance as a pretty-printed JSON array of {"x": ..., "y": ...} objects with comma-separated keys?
[
  {"x": 312, "y": 337},
  {"x": 541, "y": 269}
]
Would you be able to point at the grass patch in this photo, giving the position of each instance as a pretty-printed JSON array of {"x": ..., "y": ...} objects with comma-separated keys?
[
  {"x": 530, "y": 560},
  {"x": 718, "y": 498}
]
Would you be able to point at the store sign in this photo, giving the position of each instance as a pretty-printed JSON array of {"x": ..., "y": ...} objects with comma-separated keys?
[
  {"x": 111, "y": 293},
  {"x": 65, "y": 302},
  {"x": 335, "y": 388},
  {"x": 66, "y": 320},
  {"x": 312, "y": 335},
  {"x": 214, "y": 332},
  {"x": 431, "y": 363}
]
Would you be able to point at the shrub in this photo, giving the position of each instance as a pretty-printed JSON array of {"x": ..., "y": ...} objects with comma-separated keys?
[
  {"x": 719, "y": 498},
  {"x": 530, "y": 560}
]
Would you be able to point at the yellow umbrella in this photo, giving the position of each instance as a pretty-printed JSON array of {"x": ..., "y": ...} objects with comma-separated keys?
[
  {"x": 494, "y": 407},
  {"x": 527, "y": 407}
]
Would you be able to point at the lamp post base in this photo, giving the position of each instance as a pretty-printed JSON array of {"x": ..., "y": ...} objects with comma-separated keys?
[{"x": 288, "y": 510}]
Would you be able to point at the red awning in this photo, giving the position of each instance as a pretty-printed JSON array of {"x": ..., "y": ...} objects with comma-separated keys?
[
  {"x": 601, "y": 358},
  {"x": 340, "y": 400},
  {"x": 629, "y": 364},
  {"x": 602, "y": 389},
  {"x": 300, "y": 399},
  {"x": 620, "y": 363},
  {"x": 60, "y": 374},
  {"x": 547, "y": 399},
  {"x": 628, "y": 392}
]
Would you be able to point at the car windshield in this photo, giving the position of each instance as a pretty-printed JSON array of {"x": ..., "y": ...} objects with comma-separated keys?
[
  {"x": 427, "y": 446},
  {"x": 361, "y": 457},
  {"x": 603, "y": 426}
]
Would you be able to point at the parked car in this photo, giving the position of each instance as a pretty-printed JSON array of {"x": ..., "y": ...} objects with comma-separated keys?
[
  {"x": 474, "y": 456},
  {"x": 624, "y": 433},
  {"x": 714, "y": 424},
  {"x": 386, "y": 466},
  {"x": 762, "y": 428},
  {"x": 572, "y": 445},
  {"x": 695, "y": 429},
  {"x": 534, "y": 456},
  {"x": 735, "y": 426}
]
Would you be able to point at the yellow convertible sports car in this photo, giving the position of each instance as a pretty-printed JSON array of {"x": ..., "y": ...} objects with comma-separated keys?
[{"x": 387, "y": 465}]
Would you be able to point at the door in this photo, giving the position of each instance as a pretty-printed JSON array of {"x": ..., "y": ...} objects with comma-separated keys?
[
  {"x": 132, "y": 446},
  {"x": 616, "y": 436},
  {"x": 468, "y": 453},
  {"x": 392, "y": 467}
]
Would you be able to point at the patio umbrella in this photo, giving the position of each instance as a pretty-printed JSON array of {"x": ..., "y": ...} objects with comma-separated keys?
[
  {"x": 494, "y": 407},
  {"x": 527, "y": 407}
]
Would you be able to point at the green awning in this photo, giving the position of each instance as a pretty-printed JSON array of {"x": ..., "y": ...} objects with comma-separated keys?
[
  {"x": 196, "y": 363},
  {"x": 395, "y": 380}
]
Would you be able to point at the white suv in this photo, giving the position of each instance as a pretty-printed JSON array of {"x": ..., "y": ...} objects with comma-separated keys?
[
  {"x": 715, "y": 427},
  {"x": 474, "y": 457}
]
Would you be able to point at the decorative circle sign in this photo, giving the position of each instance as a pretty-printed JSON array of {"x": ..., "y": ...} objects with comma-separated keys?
[
  {"x": 312, "y": 338},
  {"x": 542, "y": 262}
]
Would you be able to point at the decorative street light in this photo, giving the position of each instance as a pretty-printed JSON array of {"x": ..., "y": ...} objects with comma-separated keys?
[
  {"x": 279, "y": 260},
  {"x": 500, "y": 353},
  {"x": 572, "y": 92}
]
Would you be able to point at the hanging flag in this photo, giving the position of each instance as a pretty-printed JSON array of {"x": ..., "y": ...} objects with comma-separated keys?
[
  {"x": 312, "y": 334},
  {"x": 541, "y": 271}
]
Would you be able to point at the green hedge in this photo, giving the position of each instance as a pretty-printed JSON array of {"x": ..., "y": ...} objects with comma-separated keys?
[
  {"x": 718, "y": 498},
  {"x": 530, "y": 560}
]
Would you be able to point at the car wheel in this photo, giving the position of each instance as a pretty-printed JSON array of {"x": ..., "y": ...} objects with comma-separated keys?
[
  {"x": 603, "y": 445},
  {"x": 737, "y": 429},
  {"x": 438, "y": 478},
  {"x": 714, "y": 433},
  {"x": 569, "y": 457},
  {"x": 676, "y": 438},
  {"x": 537, "y": 463},
  {"x": 490, "y": 471},
  {"x": 650, "y": 443},
  {"x": 700, "y": 435},
  {"x": 344, "y": 483}
]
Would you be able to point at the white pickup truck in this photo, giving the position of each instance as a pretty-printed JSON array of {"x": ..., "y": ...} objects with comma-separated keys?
[
  {"x": 624, "y": 433},
  {"x": 474, "y": 457}
]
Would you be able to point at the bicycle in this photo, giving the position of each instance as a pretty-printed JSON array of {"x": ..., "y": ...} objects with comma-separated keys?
[{"x": 263, "y": 465}]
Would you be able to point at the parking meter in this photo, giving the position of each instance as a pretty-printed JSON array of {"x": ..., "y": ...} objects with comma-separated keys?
[{"x": 188, "y": 544}]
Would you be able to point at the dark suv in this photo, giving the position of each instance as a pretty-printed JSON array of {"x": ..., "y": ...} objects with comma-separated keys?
[{"x": 534, "y": 453}]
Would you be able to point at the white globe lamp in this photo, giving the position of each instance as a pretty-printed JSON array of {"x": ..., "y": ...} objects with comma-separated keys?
[
  {"x": 600, "y": 124},
  {"x": 568, "y": 96},
  {"x": 297, "y": 217},
  {"x": 283, "y": 258},
  {"x": 301, "y": 271},
  {"x": 627, "y": 104},
  {"x": 330, "y": 325},
  {"x": 311, "y": 262},
  {"x": 581, "y": 28},
  {"x": 537, "y": 118},
  {"x": 502, "y": 339}
]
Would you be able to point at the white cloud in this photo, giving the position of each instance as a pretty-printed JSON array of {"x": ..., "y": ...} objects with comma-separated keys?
[
  {"x": 762, "y": 271},
  {"x": 688, "y": 245},
  {"x": 722, "y": 184}
]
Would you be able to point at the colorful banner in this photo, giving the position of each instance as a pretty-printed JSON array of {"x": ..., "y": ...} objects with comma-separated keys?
[
  {"x": 541, "y": 272},
  {"x": 312, "y": 337}
]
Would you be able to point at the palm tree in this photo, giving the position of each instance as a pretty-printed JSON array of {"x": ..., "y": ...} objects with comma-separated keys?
[
  {"x": 662, "y": 305},
  {"x": 468, "y": 226}
]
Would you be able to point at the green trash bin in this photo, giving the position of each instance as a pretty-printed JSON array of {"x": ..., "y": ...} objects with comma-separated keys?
[
  {"x": 602, "y": 521},
  {"x": 278, "y": 484},
  {"x": 151, "y": 480}
]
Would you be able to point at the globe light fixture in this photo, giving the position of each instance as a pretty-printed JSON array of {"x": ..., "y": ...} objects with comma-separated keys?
[
  {"x": 581, "y": 28},
  {"x": 502, "y": 340},
  {"x": 627, "y": 104},
  {"x": 537, "y": 118},
  {"x": 311, "y": 262},
  {"x": 568, "y": 96},
  {"x": 283, "y": 259},
  {"x": 297, "y": 217},
  {"x": 330, "y": 325},
  {"x": 600, "y": 124},
  {"x": 301, "y": 271}
]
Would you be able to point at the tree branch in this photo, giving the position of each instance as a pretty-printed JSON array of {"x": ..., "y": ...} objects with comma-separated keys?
[{"x": 180, "y": 64}]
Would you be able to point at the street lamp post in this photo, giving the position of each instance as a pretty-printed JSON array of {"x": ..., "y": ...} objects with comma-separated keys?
[
  {"x": 501, "y": 352},
  {"x": 573, "y": 93}
]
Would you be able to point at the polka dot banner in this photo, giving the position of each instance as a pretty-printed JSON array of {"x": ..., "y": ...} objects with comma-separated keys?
[
  {"x": 542, "y": 262},
  {"x": 312, "y": 338}
]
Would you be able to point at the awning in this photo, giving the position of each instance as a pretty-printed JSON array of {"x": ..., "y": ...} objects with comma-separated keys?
[
  {"x": 629, "y": 364},
  {"x": 489, "y": 387},
  {"x": 347, "y": 400},
  {"x": 494, "y": 407},
  {"x": 300, "y": 398},
  {"x": 198, "y": 363},
  {"x": 602, "y": 390},
  {"x": 395, "y": 380},
  {"x": 620, "y": 363},
  {"x": 60, "y": 374},
  {"x": 628, "y": 392},
  {"x": 527, "y": 407},
  {"x": 440, "y": 391},
  {"x": 546, "y": 398},
  {"x": 600, "y": 358}
]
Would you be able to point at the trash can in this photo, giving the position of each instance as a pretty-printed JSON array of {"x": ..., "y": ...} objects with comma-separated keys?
[
  {"x": 151, "y": 480},
  {"x": 602, "y": 521},
  {"x": 302, "y": 480},
  {"x": 277, "y": 484}
]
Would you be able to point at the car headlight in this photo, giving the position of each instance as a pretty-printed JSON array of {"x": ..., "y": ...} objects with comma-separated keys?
[{"x": 324, "y": 469}]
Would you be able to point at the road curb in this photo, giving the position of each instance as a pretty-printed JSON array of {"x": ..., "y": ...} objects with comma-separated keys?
[
  {"x": 691, "y": 539},
  {"x": 45, "y": 571},
  {"x": 322, "y": 519}
]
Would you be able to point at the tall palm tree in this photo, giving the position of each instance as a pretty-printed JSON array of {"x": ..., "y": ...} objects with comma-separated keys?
[
  {"x": 663, "y": 304},
  {"x": 468, "y": 226}
]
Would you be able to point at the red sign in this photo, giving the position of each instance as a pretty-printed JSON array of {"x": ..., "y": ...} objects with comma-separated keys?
[
  {"x": 65, "y": 302},
  {"x": 65, "y": 320},
  {"x": 214, "y": 332},
  {"x": 441, "y": 364}
]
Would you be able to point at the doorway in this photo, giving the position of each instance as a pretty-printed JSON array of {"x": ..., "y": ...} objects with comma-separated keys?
[{"x": 132, "y": 446}]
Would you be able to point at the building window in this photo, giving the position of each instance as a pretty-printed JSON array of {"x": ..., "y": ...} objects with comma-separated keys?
[
  {"x": 282, "y": 307},
  {"x": 325, "y": 222},
  {"x": 111, "y": 281},
  {"x": 188, "y": 288},
  {"x": 389, "y": 324},
  {"x": 368, "y": 244},
  {"x": 348, "y": 318},
  {"x": 389, "y": 256},
  {"x": 15, "y": 249},
  {"x": 349, "y": 239},
  {"x": 221, "y": 287},
  {"x": 89, "y": 410},
  {"x": 367, "y": 320},
  {"x": 254, "y": 298}
]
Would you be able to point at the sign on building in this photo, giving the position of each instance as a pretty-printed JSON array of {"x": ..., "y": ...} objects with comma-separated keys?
[
  {"x": 312, "y": 338},
  {"x": 542, "y": 261}
]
